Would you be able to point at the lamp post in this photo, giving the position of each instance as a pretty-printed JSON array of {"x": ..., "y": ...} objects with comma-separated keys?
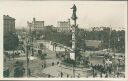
[
  {"x": 110, "y": 39},
  {"x": 27, "y": 59},
  {"x": 114, "y": 56}
]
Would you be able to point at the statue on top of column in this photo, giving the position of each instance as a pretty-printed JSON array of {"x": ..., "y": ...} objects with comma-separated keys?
[{"x": 74, "y": 17}]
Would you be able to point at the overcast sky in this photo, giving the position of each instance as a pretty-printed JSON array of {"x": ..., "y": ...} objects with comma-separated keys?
[{"x": 90, "y": 13}]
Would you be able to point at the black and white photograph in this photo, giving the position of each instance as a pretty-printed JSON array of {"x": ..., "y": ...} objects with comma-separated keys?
[{"x": 64, "y": 39}]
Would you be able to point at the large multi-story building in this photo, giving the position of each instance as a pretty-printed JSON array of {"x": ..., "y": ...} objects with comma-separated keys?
[
  {"x": 64, "y": 23},
  {"x": 8, "y": 24},
  {"x": 63, "y": 26},
  {"x": 36, "y": 25}
]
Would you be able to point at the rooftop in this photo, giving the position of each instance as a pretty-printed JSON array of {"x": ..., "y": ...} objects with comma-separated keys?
[{"x": 8, "y": 17}]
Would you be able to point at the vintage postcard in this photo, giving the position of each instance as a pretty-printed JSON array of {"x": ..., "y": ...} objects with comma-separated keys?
[{"x": 63, "y": 40}]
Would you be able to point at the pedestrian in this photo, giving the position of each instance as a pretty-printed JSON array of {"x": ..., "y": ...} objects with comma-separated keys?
[
  {"x": 49, "y": 76},
  {"x": 118, "y": 74},
  {"x": 78, "y": 75},
  {"x": 52, "y": 63},
  {"x": 95, "y": 74},
  {"x": 9, "y": 57},
  {"x": 109, "y": 69},
  {"x": 13, "y": 56},
  {"x": 29, "y": 72},
  {"x": 23, "y": 70},
  {"x": 57, "y": 63},
  {"x": 93, "y": 71},
  {"x": 106, "y": 76},
  {"x": 101, "y": 74},
  {"x": 42, "y": 66},
  {"x": 61, "y": 74},
  {"x": 67, "y": 75}
]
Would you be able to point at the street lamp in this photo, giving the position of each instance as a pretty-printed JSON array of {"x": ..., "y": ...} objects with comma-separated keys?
[
  {"x": 27, "y": 59},
  {"x": 114, "y": 56}
]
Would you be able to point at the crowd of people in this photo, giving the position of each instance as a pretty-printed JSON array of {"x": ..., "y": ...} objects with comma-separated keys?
[{"x": 101, "y": 69}]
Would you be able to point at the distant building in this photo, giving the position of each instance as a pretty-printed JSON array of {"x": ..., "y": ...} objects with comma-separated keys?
[
  {"x": 35, "y": 25},
  {"x": 64, "y": 23},
  {"x": 93, "y": 44},
  {"x": 63, "y": 26},
  {"x": 8, "y": 24},
  {"x": 101, "y": 28},
  {"x": 96, "y": 28}
]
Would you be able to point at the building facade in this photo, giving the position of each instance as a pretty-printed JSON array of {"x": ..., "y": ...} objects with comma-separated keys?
[
  {"x": 63, "y": 26},
  {"x": 8, "y": 24},
  {"x": 63, "y": 23},
  {"x": 35, "y": 25}
]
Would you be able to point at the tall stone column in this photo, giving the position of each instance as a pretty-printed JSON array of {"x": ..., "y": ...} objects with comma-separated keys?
[
  {"x": 73, "y": 53},
  {"x": 74, "y": 18}
]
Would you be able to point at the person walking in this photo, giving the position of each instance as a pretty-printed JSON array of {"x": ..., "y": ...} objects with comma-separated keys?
[
  {"x": 61, "y": 74},
  {"x": 49, "y": 76},
  {"x": 29, "y": 72},
  {"x": 57, "y": 62},
  {"x": 42, "y": 66},
  {"x": 52, "y": 63},
  {"x": 67, "y": 75}
]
